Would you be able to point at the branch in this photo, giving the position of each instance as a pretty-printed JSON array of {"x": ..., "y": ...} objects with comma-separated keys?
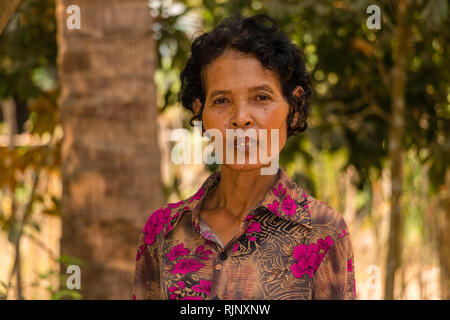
[
  {"x": 41, "y": 245},
  {"x": 23, "y": 222},
  {"x": 8, "y": 7}
]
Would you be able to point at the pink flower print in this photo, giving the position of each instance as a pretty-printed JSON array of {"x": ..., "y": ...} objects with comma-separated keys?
[
  {"x": 198, "y": 195},
  {"x": 305, "y": 251},
  {"x": 204, "y": 286},
  {"x": 134, "y": 297},
  {"x": 177, "y": 251},
  {"x": 155, "y": 224},
  {"x": 176, "y": 215},
  {"x": 254, "y": 227},
  {"x": 196, "y": 226},
  {"x": 191, "y": 298},
  {"x": 279, "y": 191},
  {"x": 305, "y": 196},
  {"x": 289, "y": 206},
  {"x": 320, "y": 257},
  {"x": 274, "y": 207},
  {"x": 307, "y": 260},
  {"x": 309, "y": 257},
  {"x": 199, "y": 249},
  {"x": 349, "y": 265},
  {"x": 164, "y": 216},
  {"x": 169, "y": 227},
  {"x": 235, "y": 247},
  {"x": 343, "y": 233},
  {"x": 150, "y": 238},
  {"x": 184, "y": 266},
  {"x": 326, "y": 243},
  {"x": 298, "y": 270},
  {"x": 139, "y": 251},
  {"x": 202, "y": 252},
  {"x": 173, "y": 289},
  {"x": 208, "y": 235},
  {"x": 175, "y": 205},
  {"x": 249, "y": 217}
]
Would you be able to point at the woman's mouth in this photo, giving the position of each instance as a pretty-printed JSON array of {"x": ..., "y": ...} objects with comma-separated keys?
[{"x": 244, "y": 144}]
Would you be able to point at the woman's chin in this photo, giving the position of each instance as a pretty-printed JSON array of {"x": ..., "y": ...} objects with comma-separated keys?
[{"x": 244, "y": 167}]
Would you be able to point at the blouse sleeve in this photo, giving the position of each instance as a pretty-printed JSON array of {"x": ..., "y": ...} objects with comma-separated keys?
[
  {"x": 335, "y": 277},
  {"x": 147, "y": 276}
]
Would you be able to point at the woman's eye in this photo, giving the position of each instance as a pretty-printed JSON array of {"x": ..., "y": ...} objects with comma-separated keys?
[
  {"x": 220, "y": 99},
  {"x": 260, "y": 97},
  {"x": 263, "y": 97}
]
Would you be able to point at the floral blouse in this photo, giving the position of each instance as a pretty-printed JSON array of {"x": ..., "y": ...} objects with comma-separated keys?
[{"x": 290, "y": 246}]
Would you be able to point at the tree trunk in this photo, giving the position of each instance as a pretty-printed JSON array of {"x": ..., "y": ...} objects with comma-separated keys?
[
  {"x": 7, "y": 9},
  {"x": 443, "y": 213},
  {"x": 110, "y": 156},
  {"x": 396, "y": 152}
]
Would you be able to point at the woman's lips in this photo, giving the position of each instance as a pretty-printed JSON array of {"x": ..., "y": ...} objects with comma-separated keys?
[{"x": 244, "y": 144}]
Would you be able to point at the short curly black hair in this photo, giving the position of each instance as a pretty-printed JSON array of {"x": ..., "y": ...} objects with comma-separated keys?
[{"x": 270, "y": 45}]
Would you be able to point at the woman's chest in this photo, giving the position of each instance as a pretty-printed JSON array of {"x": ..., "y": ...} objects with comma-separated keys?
[{"x": 257, "y": 265}]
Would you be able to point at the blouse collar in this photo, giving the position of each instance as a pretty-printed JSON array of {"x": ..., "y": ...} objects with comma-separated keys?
[{"x": 284, "y": 199}]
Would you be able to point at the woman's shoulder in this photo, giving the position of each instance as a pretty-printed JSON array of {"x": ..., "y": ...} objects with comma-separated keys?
[
  {"x": 165, "y": 217},
  {"x": 161, "y": 220},
  {"x": 326, "y": 220}
]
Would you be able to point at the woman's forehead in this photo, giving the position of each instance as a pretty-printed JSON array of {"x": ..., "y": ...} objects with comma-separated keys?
[{"x": 243, "y": 72}]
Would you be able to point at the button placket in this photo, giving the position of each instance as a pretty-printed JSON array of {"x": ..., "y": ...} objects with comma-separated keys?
[
  {"x": 216, "y": 275},
  {"x": 223, "y": 256}
]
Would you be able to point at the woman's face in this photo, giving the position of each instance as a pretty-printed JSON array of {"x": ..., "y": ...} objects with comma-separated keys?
[{"x": 242, "y": 94}]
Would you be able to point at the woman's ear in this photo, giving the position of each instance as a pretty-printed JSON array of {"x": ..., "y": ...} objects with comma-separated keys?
[
  {"x": 300, "y": 94},
  {"x": 197, "y": 107}
]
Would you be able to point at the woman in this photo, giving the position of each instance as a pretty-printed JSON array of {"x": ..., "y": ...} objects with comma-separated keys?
[{"x": 243, "y": 234}]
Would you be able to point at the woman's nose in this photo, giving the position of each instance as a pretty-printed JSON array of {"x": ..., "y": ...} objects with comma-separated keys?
[{"x": 242, "y": 117}]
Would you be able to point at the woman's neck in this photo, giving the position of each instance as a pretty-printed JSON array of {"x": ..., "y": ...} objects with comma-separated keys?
[{"x": 238, "y": 191}]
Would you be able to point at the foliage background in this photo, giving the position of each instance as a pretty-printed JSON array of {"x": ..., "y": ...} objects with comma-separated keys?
[{"x": 342, "y": 159}]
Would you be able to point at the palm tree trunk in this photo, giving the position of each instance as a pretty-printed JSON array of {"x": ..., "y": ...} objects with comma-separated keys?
[{"x": 110, "y": 156}]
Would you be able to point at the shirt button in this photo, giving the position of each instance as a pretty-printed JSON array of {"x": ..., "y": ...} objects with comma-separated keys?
[
  {"x": 218, "y": 266},
  {"x": 223, "y": 255}
]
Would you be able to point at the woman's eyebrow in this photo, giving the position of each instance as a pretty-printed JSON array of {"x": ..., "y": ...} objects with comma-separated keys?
[
  {"x": 261, "y": 87},
  {"x": 217, "y": 92},
  {"x": 251, "y": 89}
]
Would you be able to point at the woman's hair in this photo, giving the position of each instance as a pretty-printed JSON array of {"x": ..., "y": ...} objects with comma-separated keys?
[{"x": 268, "y": 44}]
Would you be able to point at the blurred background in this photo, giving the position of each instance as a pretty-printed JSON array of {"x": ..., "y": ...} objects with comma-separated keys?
[{"x": 87, "y": 111}]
